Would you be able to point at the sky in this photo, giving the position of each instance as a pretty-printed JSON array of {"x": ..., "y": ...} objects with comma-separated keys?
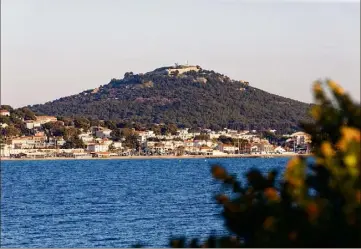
[{"x": 52, "y": 49}]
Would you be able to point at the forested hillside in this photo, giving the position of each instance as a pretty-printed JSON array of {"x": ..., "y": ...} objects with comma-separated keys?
[{"x": 199, "y": 98}]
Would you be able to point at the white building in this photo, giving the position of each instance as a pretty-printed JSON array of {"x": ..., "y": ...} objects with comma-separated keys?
[
  {"x": 5, "y": 150},
  {"x": 86, "y": 138},
  {"x": 29, "y": 142},
  {"x": 227, "y": 148},
  {"x": 31, "y": 124},
  {"x": 97, "y": 147},
  {"x": 103, "y": 133},
  {"x": 301, "y": 138}
]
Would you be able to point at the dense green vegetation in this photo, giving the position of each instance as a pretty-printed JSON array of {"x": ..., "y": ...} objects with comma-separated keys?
[
  {"x": 194, "y": 99},
  {"x": 315, "y": 204}
]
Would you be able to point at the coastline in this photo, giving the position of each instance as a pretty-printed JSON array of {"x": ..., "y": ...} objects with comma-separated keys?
[{"x": 158, "y": 157}]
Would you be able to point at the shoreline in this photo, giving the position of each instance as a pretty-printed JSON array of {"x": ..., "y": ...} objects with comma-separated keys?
[{"x": 159, "y": 157}]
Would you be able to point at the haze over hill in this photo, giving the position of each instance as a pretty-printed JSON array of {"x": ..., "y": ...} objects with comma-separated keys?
[{"x": 189, "y": 96}]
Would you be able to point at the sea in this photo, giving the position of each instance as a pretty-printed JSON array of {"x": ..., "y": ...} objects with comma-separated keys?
[{"x": 114, "y": 203}]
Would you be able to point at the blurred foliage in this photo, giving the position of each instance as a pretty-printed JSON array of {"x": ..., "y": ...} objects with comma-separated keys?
[{"x": 317, "y": 203}]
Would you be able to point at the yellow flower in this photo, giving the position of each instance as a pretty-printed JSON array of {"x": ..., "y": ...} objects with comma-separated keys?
[
  {"x": 317, "y": 87},
  {"x": 326, "y": 149},
  {"x": 271, "y": 194},
  {"x": 335, "y": 87},
  {"x": 348, "y": 134},
  {"x": 316, "y": 112},
  {"x": 268, "y": 222},
  {"x": 350, "y": 160},
  {"x": 296, "y": 182},
  {"x": 351, "y": 133}
]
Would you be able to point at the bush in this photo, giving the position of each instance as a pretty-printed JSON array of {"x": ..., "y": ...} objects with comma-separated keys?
[{"x": 316, "y": 204}]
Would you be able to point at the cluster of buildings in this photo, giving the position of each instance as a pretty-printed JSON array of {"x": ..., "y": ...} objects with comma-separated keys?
[{"x": 98, "y": 143}]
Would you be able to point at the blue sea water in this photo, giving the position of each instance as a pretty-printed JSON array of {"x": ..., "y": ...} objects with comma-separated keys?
[{"x": 113, "y": 203}]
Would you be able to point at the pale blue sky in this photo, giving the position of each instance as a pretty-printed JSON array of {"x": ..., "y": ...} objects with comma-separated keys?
[{"x": 55, "y": 48}]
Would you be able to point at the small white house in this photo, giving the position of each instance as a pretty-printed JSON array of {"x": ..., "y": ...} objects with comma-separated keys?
[
  {"x": 103, "y": 133},
  {"x": 227, "y": 148},
  {"x": 97, "y": 147},
  {"x": 31, "y": 124}
]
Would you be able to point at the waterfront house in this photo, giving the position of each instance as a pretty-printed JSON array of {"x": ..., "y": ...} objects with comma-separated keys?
[
  {"x": 301, "y": 138},
  {"x": 5, "y": 150},
  {"x": 227, "y": 148},
  {"x": 81, "y": 155},
  {"x": 205, "y": 150},
  {"x": 35, "y": 155},
  {"x": 191, "y": 150},
  {"x": 94, "y": 147},
  {"x": 29, "y": 142},
  {"x": 101, "y": 154}
]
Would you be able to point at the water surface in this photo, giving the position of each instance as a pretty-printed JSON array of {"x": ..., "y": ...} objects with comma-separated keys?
[{"x": 113, "y": 203}]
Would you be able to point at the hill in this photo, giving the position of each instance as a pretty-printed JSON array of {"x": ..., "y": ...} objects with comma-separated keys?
[{"x": 188, "y": 96}]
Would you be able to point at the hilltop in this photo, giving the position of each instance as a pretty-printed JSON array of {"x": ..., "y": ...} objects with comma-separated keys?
[{"x": 188, "y": 96}]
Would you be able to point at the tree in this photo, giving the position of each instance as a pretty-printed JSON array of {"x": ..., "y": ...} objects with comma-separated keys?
[
  {"x": 180, "y": 150},
  {"x": 10, "y": 131},
  {"x": 74, "y": 143},
  {"x": 28, "y": 114},
  {"x": 226, "y": 140},
  {"x": 202, "y": 137},
  {"x": 67, "y": 121},
  {"x": 110, "y": 124},
  {"x": 156, "y": 129},
  {"x": 116, "y": 134},
  {"x": 6, "y": 107},
  {"x": 70, "y": 133},
  {"x": 111, "y": 147},
  {"x": 95, "y": 122},
  {"x": 82, "y": 123},
  {"x": 5, "y": 120},
  {"x": 316, "y": 203}
]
